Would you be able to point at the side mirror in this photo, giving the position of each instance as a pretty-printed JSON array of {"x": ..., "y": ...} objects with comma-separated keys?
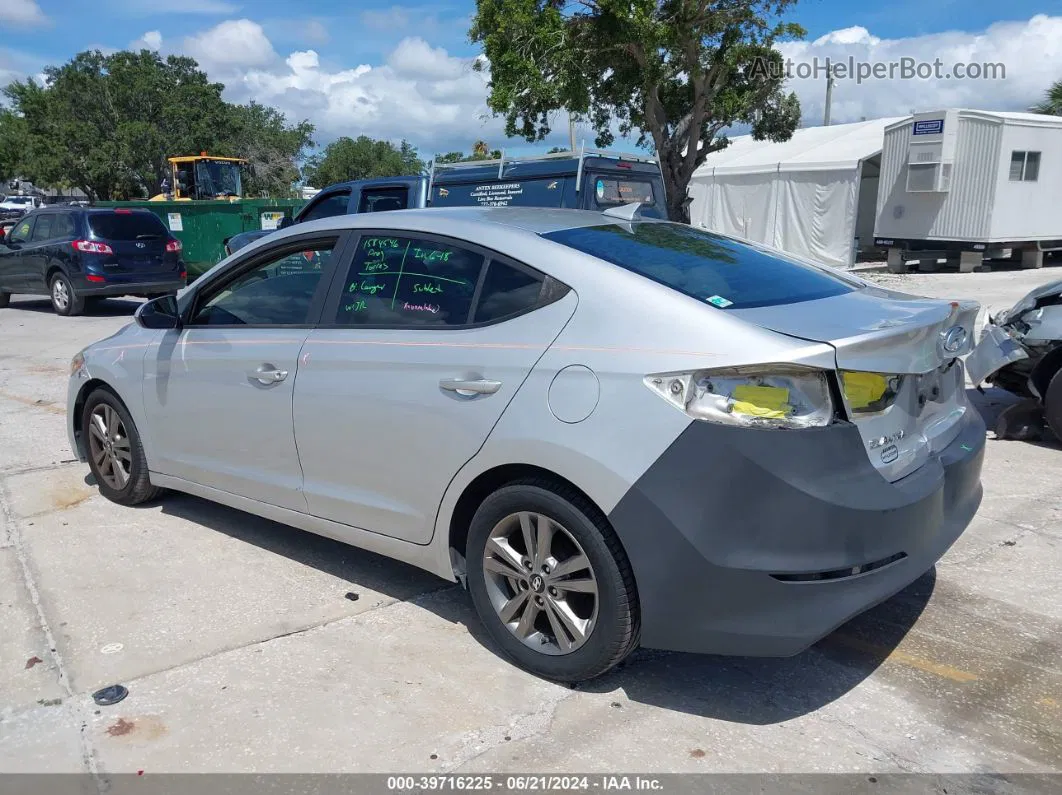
[
  {"x": 161, "y": 312},
  {"x": 285, "y": 222}
]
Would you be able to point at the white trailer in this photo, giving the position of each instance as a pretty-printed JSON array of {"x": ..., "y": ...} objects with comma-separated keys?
[{"x": 970, "y": 184}]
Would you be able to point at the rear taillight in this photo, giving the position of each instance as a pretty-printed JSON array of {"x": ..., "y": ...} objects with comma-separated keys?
[
  {"x": 92, "y": 277},
  {"x": 123, "y": 211},
  {"x": 173, "y": 245},
  {"x": 184, "y": 274},
  {"x": 92, "y": 247}
]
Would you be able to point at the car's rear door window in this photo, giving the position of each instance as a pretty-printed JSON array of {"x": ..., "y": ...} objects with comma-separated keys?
[
  {"x": 718, "y": 270},
  {"x": 126, "y": 226},
  {"x": 507, "y": 290},
  {"x": 401, "y": 280},
  {"x": 43, "y": 229},
  {"x": 63, "y": 226}
]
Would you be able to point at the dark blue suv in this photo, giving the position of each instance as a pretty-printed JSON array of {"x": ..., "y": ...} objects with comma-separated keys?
[{"x": 79, "y": 253}]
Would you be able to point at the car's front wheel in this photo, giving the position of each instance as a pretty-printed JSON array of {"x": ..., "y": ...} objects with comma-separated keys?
[
  {"x": 65, "y": 300},
  {"x": 5, "y": 299},
  {"x": 551, "y": 581},
  {"x": 115, "y": 452}
]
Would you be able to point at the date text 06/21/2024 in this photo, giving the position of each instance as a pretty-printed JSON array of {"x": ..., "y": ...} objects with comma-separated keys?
[{"x": 530, "y": 783}]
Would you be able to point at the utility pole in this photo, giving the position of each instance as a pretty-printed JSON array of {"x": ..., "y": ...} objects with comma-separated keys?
[
  {"x": 829, "y": 93},
  {"x": 571, "y": 131}
]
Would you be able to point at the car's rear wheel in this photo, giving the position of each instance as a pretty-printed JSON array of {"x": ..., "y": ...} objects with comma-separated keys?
[
  {"x": 115, "y": 452},
  {"x": 65, "y": 300},
  {"x": 551, "y": 581}
]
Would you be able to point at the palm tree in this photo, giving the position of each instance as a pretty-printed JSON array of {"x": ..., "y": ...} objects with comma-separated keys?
[{"x": 1052, "y": 103}]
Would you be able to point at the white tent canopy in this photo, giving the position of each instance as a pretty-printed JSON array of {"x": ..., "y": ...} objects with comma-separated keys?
[{"x": 812, "y": 195}]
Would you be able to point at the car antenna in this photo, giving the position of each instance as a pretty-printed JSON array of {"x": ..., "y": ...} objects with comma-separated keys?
[{"x": 628, "y": 212}]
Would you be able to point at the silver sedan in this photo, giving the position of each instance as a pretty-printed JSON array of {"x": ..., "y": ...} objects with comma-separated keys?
[{"x": 613, "y": 431}]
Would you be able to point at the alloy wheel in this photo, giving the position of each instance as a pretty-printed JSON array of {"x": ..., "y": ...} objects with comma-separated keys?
[
  {"x": 60, "y": 294},
  {"x": 109, "y": 446},
  {"x": 541, "y": 583}
]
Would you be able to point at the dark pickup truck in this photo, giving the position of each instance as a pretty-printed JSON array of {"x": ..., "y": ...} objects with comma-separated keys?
[{"x": 589, "y": 180}]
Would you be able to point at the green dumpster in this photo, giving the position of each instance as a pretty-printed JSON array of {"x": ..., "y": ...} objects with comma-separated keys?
[{"x": 204, "y": 226}]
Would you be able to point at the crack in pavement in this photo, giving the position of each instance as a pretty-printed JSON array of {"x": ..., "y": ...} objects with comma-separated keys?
[{"x": 80, "y": 712}]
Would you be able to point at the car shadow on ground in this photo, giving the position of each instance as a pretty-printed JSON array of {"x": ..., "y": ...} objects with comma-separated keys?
[
  {"x": 738, "y": 689},
  {"x": 992, "y": 401},
  {"x": 100, "y": 307}
]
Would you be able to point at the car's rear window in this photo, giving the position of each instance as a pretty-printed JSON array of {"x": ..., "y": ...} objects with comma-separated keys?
[
  {"x": 711, "y": 268},
  {"x": 126, "y": 226}
]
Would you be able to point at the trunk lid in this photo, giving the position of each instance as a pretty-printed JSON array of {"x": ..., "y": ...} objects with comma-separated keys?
[
  {"x": 913, "y": 342},
  {"x": 875, "y": 330}
]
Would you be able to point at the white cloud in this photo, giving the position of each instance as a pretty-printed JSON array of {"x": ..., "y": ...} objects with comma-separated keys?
[
  {"x": 152, "y": 40},
  {"x": 422, "y": 93},
  {"x": 231, "y": 45},
  {"x": 1030, "y": 52},
  {"x": 21, "y": 14}
]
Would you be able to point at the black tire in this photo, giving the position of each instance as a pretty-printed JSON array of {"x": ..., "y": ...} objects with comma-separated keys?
[
  {"x": 5, "y": 299},
  {"x": 1053, "y": 405},
  {"x": 75, "y": 304},
  {"x": 617, "y": 629},
  {"x": 137, "y": 488}
]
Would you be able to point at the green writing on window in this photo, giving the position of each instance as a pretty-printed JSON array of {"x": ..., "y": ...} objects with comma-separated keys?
[{"x": 431, "y": 289}]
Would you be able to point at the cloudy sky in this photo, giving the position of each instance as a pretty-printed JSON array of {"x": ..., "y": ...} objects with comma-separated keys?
[{"x": 395, "y": 70}]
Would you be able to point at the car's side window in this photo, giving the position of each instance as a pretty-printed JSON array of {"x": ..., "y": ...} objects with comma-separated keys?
[
  {"x": 409, "y": 281},
  {"x": 327, "y": 206},
  {"x": 43, "y": 229},
  {"x": 382, "y": 199},
  {"x": 507, "y": 290},
  {"x": 21, "y": 232},
  {"x": 275, "y": 292},
  {"x": 63, "y": 227}
]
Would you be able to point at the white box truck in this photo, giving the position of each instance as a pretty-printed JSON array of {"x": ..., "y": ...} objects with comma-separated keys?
[{"x": 970, "y": 184}]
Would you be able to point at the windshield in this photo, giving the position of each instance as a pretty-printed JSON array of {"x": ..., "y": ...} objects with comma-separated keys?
[
  {"x": 20, "y": 200},
  {"x": 217, "y": 178},
  {"x": 711, "y": 268}
]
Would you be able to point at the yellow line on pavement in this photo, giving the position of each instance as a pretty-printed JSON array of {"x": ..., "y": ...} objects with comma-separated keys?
[{"x": 905, "y": 658}]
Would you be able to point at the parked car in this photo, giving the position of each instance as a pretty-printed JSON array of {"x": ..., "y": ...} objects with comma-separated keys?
[
  {"x": 20, "y": 204},
  {"x": 614, "y": 431},
  {"x": 75, "y": 254},
  {"x": 1021, "y": 351},
  {"x": 590, "y": 180}
]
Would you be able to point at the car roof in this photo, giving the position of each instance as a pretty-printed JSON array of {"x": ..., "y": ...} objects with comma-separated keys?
[{"x": 537, "y": 220}]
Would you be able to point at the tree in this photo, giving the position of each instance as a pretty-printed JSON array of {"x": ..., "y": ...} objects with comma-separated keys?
[
  {"x": 108, "y": 123},
  {"x": 480, "y": 151},
  {"x": 12, "y": 144},
  {"x": 361, "y": 158},
  {"x": 261, "y": 134},
  {"x": 676, "y": 73},
  {"x": 1052, "y": 101}
]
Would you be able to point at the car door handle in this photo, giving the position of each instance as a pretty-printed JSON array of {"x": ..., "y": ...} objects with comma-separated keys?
[
  {"x": 268, "y": 374},
  {"x": 481, "y": 386}
]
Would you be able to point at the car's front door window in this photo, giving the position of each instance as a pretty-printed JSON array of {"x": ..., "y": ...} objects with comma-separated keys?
[
  {"x": 21, "y": 232},
  {"x": 276, "y": 292},
  {"x": 327, "y": 206}
]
